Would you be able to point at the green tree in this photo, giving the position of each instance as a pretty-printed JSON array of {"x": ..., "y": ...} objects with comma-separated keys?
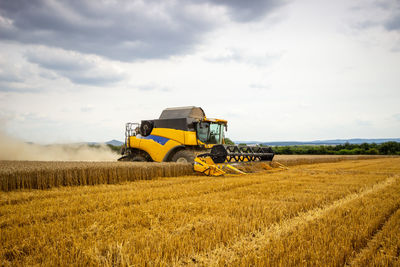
[
  {"x": 389, "y": 148},
  {"x": 372, "y": 151},
  {"x": 228, "y": 141}
]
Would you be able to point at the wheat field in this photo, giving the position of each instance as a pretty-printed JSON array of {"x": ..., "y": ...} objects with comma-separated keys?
[
  {"x": 335, "y": 214},
  {"x": 19, "y": 175}
]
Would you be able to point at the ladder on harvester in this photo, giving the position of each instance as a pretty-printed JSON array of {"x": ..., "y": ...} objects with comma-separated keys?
[{"x": 130, "y": 130}]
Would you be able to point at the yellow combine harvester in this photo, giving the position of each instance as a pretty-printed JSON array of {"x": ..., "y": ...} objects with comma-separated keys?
[{"x": 185, "y": 134}]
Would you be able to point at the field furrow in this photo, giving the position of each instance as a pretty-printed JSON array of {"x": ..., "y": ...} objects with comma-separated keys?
[
  {"x": 383, "y": 249},
  {"x": 257, "y": 240},
  {"x": 331, "y": 239}
]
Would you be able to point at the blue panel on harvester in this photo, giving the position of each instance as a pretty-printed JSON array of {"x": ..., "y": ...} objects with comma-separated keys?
[{"x": 159, "y": 139}]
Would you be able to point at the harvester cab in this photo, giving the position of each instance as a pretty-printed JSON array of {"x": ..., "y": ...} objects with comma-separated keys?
[{"x": 185, "y": 134}]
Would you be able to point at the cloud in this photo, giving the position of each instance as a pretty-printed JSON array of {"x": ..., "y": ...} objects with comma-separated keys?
[
  {"x": 153, "y": 87},
  {"x": 6, "y": 76},
  {"x": 17, "y": 88},
  {"x": 384, "y": 14},
  {"x": 12, "y": 75},
  {"x": 397, "y": 117},
  {"x": 393, "y": 24},
  {"x": 78, "y": 68},
  {"x": 122, "y": 30},
  {"x": 244, "y": 11},
  {"x": 239, "y": 56}
]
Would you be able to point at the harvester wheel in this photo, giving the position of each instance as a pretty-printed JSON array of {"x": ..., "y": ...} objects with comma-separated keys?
[
  {"x": 138, "y": 158},
  {"x": 183, "y": 156}
]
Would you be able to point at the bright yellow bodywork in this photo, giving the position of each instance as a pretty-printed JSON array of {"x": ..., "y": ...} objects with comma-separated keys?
[
  {"x": 207, "y": 166},
  {"x": 163, "y": 140}
]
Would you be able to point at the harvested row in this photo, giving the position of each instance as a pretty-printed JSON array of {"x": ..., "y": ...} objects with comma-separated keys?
[
  {"x": 384, "y": 248},
  {"x": 16, "y": 175},
  {"x": 329, "y": 236},
  {"x": 168, "y": 222}
]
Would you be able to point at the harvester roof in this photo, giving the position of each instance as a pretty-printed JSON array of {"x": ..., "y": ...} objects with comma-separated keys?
[{"x": 183, "y": 112}]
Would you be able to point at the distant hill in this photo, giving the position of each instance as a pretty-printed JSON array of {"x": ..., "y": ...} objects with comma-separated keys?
[
  {"x": 114, "y": 143},
  {"x": 321, "y": 142}
]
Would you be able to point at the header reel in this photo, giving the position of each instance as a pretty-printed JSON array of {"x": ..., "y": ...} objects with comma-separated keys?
[{"x": 220, "y": 156}]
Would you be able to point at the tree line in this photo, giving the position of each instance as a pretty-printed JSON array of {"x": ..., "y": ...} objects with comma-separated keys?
[{"x": 387, "y": 148}]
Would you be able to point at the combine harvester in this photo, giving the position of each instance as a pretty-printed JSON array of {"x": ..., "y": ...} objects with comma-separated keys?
[{"x": 185, "y": 134}]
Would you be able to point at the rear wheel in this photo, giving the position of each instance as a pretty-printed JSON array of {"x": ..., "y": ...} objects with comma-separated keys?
[
  {"x": 183, "y": 156},
  {"x": 138, "y": 158}
]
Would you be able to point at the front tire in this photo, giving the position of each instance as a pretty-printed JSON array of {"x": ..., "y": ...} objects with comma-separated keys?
[{"x": 183, "y": 156}]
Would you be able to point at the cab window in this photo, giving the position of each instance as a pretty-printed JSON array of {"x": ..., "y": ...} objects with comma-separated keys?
[
  {"x": 210, "y": 133},
  {"x": 202, "y": 131},
  {"x": 215, "y": 133}
]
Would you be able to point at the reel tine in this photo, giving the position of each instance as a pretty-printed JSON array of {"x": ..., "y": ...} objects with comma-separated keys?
[{"x": 236, "y": 153}]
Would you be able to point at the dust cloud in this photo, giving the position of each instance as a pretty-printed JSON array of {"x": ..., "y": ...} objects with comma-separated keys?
[{"x": 15, "y": 149}]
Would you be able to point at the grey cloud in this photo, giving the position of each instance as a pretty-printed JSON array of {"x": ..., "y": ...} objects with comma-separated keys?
[
  {"x": 393, "y": 24},
  {"x": 91, "y": 80},
  {"x": 12, "y": 87},
  {"x": 20, "y": 87},
  {"x": 393, "y": 7},
  {"x": 366, "y": 24},
  {"x": 58, "y": 62},
  {"x": 384, "y": 4},
  {"x": 75, "y": 67},
  {"x": 390, "y": 21},
  {"x": 121, "y": 30},
  {"x": 13, "y": 78},
  {"x": 9, "y": 77},
  {"x": 10, "y": 72},
  {"x": 250, "y": 10}
]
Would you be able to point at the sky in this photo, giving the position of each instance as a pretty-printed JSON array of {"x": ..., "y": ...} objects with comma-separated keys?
[{"x": 75, "y": 71}]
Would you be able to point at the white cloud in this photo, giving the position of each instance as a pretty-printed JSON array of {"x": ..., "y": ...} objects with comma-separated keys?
[{"x": 76, "y": 67}]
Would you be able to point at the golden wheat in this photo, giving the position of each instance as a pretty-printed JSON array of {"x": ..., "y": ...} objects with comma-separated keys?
[
  {"x": 43, "y": 175},
  {"x": 265, "y": 218},
  {"x": 291, "y": 160},
  {"x": 16, "y": 175},
  {"x": 384, "y": 248}
]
